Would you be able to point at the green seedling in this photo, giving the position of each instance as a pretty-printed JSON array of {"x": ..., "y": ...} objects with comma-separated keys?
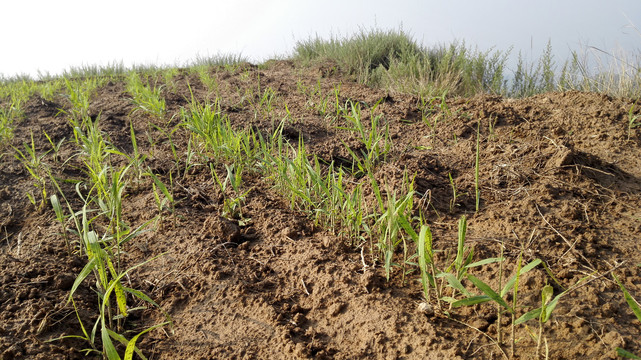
[
  {"x": 55, "y": 147},
  {"x": 491, "y": 127},
  {"x": 103, "y": 253},
  {"x": 168, "y": 197},
  {"x": 542, "y": 314},
  {"x": 430, "y": 106},
  {"x": 136, "y": 160},
  {"x": 8, "y": 114},
  {"x": 169, "y": 79},
  {"x": 377, "y": 142},
  {"x": 217, "y": 139},
  {"x": 426, "y": 264},
  {"x": 636, "y": 309},
  {"x": 207, "y": 79},
  {"x": 62, "y": 219},
  {"x": 147, "y": 98},
  {"x": 79, "y": 93},
  {"x": 455, "y": 194},
  {"x": 36, "y": 168},
  {"x": 232, "y": 205}
]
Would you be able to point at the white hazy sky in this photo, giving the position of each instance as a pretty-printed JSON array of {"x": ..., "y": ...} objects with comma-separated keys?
[{"x": 51, "y": 36}]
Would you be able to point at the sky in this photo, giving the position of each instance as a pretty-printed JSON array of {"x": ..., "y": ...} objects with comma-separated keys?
[{"x": 51, "y": 36}]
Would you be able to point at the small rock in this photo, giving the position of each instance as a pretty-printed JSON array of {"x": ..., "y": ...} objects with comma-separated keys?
[{"x": 426, "y": 309}]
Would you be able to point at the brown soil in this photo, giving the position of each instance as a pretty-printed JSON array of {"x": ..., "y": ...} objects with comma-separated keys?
[{"x": 559, "y": 181}]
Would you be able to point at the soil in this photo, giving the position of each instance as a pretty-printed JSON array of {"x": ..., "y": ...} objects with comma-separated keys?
[{"x": 560, "y": 180}]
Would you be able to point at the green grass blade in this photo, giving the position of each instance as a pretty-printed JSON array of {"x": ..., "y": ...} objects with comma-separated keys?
[
  {"x": 551, "y": 306},
  {"x": 489, "y": 292},
  {"x": 107, "y": 346},
  {"x": 121, "y": 300},
  {"x": 161, "y": 186},
  {"x": 81, "y": 277},
  {"x": 626, "y": 354},
  {"x": 424, "y": 237},
  {"x": 131, "y": 346},
  {"x": 484, "y": 262},
  {"x": 456, "y": 284},
  {"x": 532, "y": 314},
  {"x": 479, "y": 299},
  {"x": 510, "y": 283},
  {"x": 629, "y": 299}
]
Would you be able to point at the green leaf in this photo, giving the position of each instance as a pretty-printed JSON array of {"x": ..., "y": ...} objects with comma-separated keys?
[
  {"x": 510, "y": 283},
  {"x": 485, "y": 262},
  {"x": 456, "y": 284},
  {"x": 83, "y": 274},
  {"x": 161, "y": 186},
  {"x": 551, "y": 306},
  {"x": 424, "y": 237},
  {"x": 629, "y": 299},
  {"x": 532, "y": 314},
  {"x": 489, "y": 292},
  {"x": 107, "y": 345},
  {"x": 546, "y": 294},
  {"x": 402, "y": 220},
  {"x": 626, "y": 354},
  {"x": 460, "y": 249},
  {"x": 479, "y": 299},
  {"x": 131, "y": 346}
]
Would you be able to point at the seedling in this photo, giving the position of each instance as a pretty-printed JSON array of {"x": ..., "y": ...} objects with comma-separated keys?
[
  {"x": 232, "y": 205},
  {"x": 55, "y": 147},
  {"x": 36, "y": 168},
  {"x": 168, "y": 195},
  {"x": 377, "y": 142},
  {"x": 146, "y": 98},
  {"x": 455, "y": 194},
  {"x": 636, "y": 309}
]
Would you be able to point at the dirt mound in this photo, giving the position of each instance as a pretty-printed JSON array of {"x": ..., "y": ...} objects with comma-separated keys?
[{"x": 559, "y": 180}]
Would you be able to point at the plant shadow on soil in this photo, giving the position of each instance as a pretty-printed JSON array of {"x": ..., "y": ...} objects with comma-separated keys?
[{"x": 559, "y": 181}]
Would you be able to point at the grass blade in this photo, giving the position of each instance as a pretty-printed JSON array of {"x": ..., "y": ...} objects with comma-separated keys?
[
  {"x": 489, "y": 292},
  {"x": 478, "y": 299},
  {"x": 629, "y": 299}
]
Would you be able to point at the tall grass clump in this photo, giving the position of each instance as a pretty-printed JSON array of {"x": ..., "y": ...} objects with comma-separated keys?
[
  {"x": 221, "y": 59},
  {"x": 393, "y": 60},
  {"x": 607, "y": 72},
  {"x": 534, "y": 78}
]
